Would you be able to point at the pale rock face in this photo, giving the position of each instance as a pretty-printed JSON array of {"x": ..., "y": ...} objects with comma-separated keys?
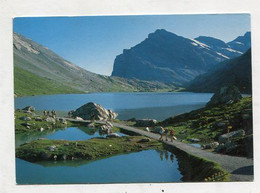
[
  {"x": 94, "y": 111},
  {"x": 19, "y": 43}
]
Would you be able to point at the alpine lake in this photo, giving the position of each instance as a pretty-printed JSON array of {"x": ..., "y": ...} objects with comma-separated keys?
[{"x": 147, "y": 166}]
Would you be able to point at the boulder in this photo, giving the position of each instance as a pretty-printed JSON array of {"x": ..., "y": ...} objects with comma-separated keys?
[
  {"x": 113, "y": 135},
  {"x": 63, "y": 121},
  {"x": 26, "y": 118},
  {"x": 210, "y": 145},
  {"x": 104, "y": 129},
  {"x": 79, "y": 118},
  {"x": 147, "y": 129},
  {"x": 50, "y": 120},
  {"x": 93, "y": 111},
  {"x": 26, "y": 124},
  {"x": 38, "y": 119},
  {"x": 91, "y": 125},
  {"x": 41, "y": 129},
  {"x": 109, "y": 124},
  {"x": 220, "y": 124},
  {"x": 145, "y": 123},
  {"x": 193, "y": 140},
  {"x": 234, "y": 134},
  {"x": 225, "y": 95},
  {"x": 29, "y": 108},
  {"x": 145, "y": 140},
  {"x": 52, "y": 148},
  {"x": 158, "y": 130}
]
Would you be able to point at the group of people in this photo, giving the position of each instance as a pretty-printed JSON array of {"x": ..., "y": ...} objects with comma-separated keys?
[
  {"x": 49, "y": 114},
  {"x": 165, "y": 132},
  {"x": 165, "y": 154}
]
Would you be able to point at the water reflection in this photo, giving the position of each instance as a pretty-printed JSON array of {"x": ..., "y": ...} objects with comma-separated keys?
[
  {"x": 143, "y": 166},
  {"x": 164, "y": 155},
  {"x": 70, "y": 133}
]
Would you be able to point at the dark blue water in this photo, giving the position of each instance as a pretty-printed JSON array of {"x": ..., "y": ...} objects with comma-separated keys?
[
  {"x": 146, "y": 166},
  {"x": 128, "y": 105}
]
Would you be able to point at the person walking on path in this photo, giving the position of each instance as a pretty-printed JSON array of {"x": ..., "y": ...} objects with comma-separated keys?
[
  {"x": 166, "y": 133},
  {"x": 161, "y": 133},
  {"x": 44, "y": 113},
  {"x": 172, "y": 135}
]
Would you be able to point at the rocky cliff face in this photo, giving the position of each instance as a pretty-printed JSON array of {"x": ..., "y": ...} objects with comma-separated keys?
[
  {"x": 236, "y": 72},
  {"x": 241, "y": 43},
  {"x": 167, "y": 57}
]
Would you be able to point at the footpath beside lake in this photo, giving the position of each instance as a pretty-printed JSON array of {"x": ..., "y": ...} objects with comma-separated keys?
[{"x": 204, "y": 125}]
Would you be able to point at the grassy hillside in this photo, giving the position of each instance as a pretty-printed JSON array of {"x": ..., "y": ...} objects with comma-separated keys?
[
  {"x": 208, "y": 123},
  {"x": 38, "y": 70},
  {"x": 27, "y": 83}
]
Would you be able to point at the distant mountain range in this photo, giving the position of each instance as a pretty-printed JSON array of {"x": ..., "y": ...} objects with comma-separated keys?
[
  {"x": 167, "y": 57},
  {"x": 236, "y": 72},
  {"x": 38, "y": 70},
  {"x": 162, "y": 62}
]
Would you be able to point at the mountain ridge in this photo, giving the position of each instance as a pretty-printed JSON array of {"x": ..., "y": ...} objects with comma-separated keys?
[
  {"x": 236, "y": 71},
  {"x": 43, "y": 65},
  {"x": 167, "y": 57}
]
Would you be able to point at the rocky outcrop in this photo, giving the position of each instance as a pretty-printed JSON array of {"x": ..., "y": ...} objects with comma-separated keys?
[
  {"x": 234, "y": 134},
  {"x": 29, "y": 108},
  {"x": 225, "y": 95},
  {"x": 145, "y": 123},
  {"x": 50, "y": 120},
  {"x": 113, "y": 135},
  {"x": 93, "y": 111},
  {"x": 26, "y": 118}
]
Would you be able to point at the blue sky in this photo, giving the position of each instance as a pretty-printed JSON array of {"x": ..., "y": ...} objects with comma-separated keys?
[{"x": 93, "y": 42}]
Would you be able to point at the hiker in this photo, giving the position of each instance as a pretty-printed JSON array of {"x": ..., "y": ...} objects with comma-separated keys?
[
  {"x": 172, "y": 157},
  {"x": 161, "y": 133},
  {"x": 166, "y": 155},
  {"x": 166, "y": 133},
  {"x": 54, "y": 114},
  {"x": 44, "y": 113},
  {"x": 172, "y": 135},
  {"x": 161, "y": 155}
]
